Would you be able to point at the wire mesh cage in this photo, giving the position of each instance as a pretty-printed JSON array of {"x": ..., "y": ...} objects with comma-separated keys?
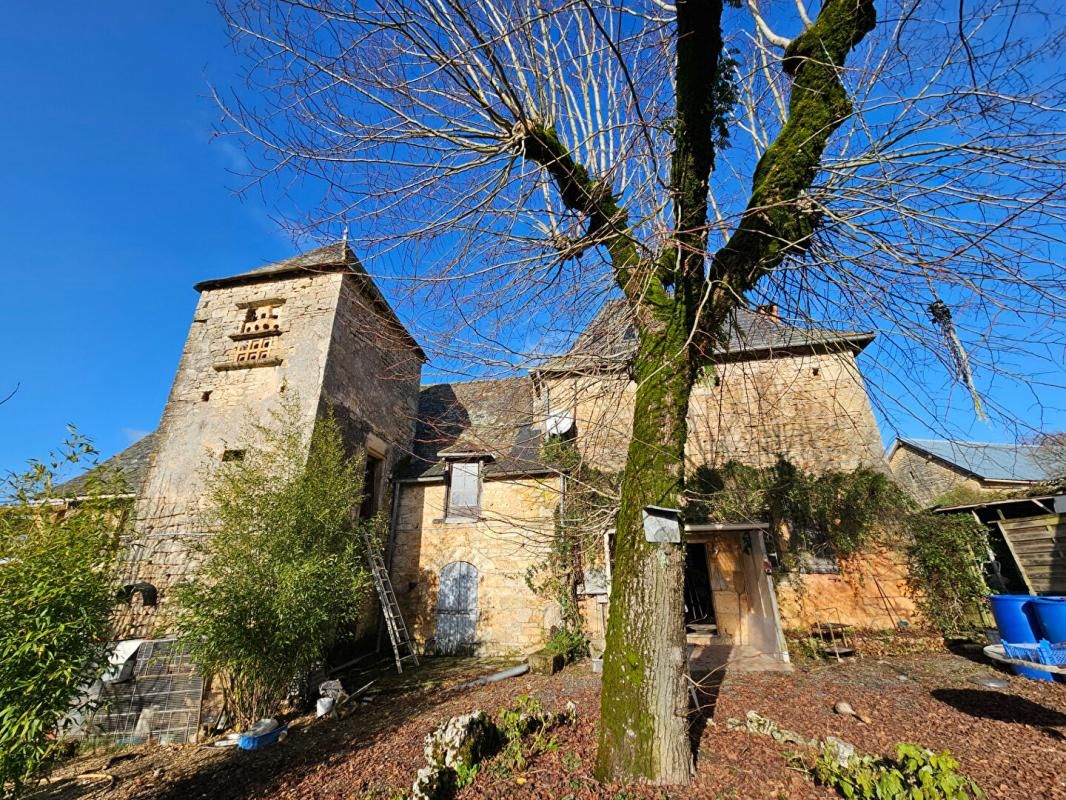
[{"x": 160, "y": 702}]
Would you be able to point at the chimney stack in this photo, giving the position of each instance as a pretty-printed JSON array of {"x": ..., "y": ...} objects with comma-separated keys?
[{"x": 767, "y": 310}]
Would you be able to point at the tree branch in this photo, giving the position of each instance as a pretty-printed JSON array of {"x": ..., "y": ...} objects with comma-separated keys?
[{"x": 777, "y": 221}]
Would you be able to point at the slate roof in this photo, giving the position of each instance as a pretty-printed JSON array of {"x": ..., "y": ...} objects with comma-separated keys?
[
  {"x": 491, "y": 417},
  {"x": 993, "y": 462},
  {"x": 132, "y": 463},
  {"x": 609, "y": 341},
  {"x": 336, "y": 257}
]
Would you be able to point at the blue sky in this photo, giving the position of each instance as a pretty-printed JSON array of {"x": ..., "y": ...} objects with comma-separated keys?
[{"x": 115, "y": 200}]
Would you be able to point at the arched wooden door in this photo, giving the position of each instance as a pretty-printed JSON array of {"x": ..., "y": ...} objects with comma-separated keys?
[{"x": 457, "y": 608}]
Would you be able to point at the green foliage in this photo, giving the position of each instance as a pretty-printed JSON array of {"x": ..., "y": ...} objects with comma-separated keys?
[
  {"x": 914, "y": 774},
  {"x": 840, "y": 510},
  {"x": 568, "y": 643},
  {"x": 283, "y": 573},
  {"x": 57, "y": 587},
  {"x": 465, "y": 774},
  {"x": 963, "y": 495},
  {"x": 945, "y": 553},
  {"x": 526, "y": 727}
]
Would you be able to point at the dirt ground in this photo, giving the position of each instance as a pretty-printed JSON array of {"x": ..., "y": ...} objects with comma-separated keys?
[{"x": 1011, "y": 741}]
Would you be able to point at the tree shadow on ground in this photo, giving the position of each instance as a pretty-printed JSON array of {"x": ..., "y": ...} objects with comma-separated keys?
[
  {"x": 1000, "y": 707},
  {"x": 704, "y": 698}
]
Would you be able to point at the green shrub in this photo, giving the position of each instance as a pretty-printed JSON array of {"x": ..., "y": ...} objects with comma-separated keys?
[
  {"x": 57, "y": 587},
  {"x": 283, "y": 574},
  {"x": 568, "y": 643},
  {"x": 526, "y": 727},
  {"x": 945, "y": 555},
  {"x": 914, "y": 774}
]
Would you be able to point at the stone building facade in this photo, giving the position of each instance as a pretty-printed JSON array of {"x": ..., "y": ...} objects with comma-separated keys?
[
  {"x": 474, "y": 507},
  {"x": 314, "y": 328},
  {"x": 937, "y": 471},
  {"x": 775, "y": 390}
]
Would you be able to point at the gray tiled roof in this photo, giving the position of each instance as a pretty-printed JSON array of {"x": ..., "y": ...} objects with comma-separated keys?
[
  {"x": 491, "y": 417},
  {"x": 994, "y": 462},
  {"x": 336, "y": 257},
  {"x": 329, "y": 258},
  {"x": 131, "y": 463},
  {"x": 609, "y": 341}
]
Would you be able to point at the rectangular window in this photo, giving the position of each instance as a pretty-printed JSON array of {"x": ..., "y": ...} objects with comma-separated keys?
[{"x": 464, "y": 490}]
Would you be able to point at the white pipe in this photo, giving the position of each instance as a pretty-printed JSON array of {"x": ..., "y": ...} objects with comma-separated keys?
[{"x": 514, "y": 672}]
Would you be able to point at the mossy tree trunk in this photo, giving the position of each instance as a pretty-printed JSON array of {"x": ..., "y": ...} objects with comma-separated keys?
[
  {"x": 644, "y": 706},
  {"x": 680, "y": 300}
]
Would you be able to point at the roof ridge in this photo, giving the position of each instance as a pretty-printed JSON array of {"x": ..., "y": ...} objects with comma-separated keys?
[
  {"x": 960, "y": 442},
  {"x": 475, "y": 380}
]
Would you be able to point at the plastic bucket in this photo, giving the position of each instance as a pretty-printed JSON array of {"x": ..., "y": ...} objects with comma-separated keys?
[
  {"x": 1050, "y": 615},
  {"x": 1016, "y": 623}
]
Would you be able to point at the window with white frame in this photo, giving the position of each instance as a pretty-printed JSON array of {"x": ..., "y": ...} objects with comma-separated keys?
[{"x": 464, "y": 490}]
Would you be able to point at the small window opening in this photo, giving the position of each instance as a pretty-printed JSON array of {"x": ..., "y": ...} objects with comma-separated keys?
[
  {"x": 254, "y": 350},
  {"x": 371, "y": 487},
  {"x": 717, "y": 380},
  {"x": 260, "y": 319},
  {"x": 205, "y": 397},
  {"x": 233, "y": 455},
  {"x": 815, "y": 371},
  {"x": 464, "y": 490}
]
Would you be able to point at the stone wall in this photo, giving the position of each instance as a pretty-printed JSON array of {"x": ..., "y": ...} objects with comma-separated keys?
[
  {"x": 371, "y": 378},
  {"x": 513, "y": 535},
  {"x": 852, "y": 596},
  {"x": 926, "y": 478},
  {"x": 812, "y": 409}
]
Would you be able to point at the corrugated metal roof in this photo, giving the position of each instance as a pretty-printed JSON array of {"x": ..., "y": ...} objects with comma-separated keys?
[
  {"x": 609, "y": 341},
  {"x": 991, "y": 461}
]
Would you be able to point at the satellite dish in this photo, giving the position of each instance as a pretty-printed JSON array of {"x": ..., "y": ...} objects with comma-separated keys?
[{"x": 559, "y": 423}]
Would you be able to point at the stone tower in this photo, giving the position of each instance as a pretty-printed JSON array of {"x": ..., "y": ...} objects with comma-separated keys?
[{"x": 314, "y": 326}]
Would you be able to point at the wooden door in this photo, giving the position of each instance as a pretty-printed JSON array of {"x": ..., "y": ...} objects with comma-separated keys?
[{"x": 457, "y": 609}]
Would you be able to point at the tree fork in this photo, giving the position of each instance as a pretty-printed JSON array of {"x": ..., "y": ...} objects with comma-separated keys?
[{"x": 644, "y": 699}]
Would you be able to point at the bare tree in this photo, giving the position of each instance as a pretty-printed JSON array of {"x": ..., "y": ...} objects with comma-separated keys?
[
  {"x": 900, "y": 169},
  {"x": 1049, "y": 452}
]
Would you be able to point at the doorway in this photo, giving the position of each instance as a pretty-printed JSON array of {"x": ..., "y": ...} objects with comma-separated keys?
[
  {"x": 457, "y": 609},
  {"x": 699, "y": 600}
]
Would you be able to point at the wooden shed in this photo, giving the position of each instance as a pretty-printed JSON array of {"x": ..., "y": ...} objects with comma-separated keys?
[{"x": 1028, "y": 537}]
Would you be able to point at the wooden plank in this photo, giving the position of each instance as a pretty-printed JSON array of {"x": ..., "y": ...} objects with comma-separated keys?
[
  {"x": 1017, "y": 561},
  {"x": 1046, "y": 546},
  {"x": 1044, "y": 559},
  {"x": 1046, "y": 519},
  {"x": 1038, "y": 536}
]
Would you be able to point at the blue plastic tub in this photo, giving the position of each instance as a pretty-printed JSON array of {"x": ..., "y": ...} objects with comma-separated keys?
[
  {"x": 1016, "y": 623},
  {"x": 263, "y": 740},
  {"x": 1050, "y": 615}
]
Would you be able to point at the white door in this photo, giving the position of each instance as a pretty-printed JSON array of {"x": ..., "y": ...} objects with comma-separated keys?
[{"x": 457, "y": 608}]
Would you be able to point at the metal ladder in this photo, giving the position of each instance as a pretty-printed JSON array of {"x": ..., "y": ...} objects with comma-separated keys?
[{"x": 390, "y": 608}]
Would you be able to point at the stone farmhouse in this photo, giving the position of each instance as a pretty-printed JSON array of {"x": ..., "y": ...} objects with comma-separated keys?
[
  {"x": 931, "y": 469},
  {"x": 459, "y": 469}
]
